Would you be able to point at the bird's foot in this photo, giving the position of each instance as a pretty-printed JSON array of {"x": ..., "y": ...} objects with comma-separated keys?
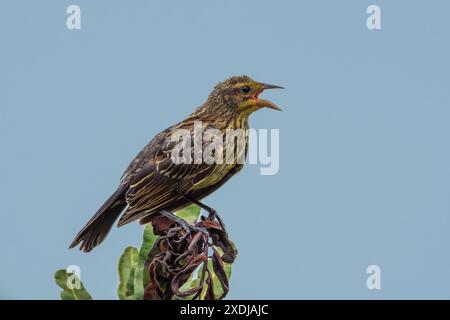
[
  {"x": 213, "y": 215},
  {"x": 191, "y": 228},
  {"x": 186, "y": 226}
]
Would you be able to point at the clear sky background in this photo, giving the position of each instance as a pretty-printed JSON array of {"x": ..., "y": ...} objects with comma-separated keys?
[{"x": 364, "y": 155}]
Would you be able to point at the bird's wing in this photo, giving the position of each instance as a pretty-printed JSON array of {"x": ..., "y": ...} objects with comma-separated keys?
[
  {"x": 159, "y": 181},
  {"x": 144, "y": 156}
]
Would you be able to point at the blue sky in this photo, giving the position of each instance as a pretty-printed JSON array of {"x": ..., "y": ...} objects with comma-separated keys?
[{"x": 364, "y": 176}]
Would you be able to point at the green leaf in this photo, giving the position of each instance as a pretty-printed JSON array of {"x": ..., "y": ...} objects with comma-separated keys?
[
  {"x": 73, "y": 288},
  {"x": 190, "y": 213},
  {"x": 141, "y": 273},
  {"x": 127, "y": 267}
]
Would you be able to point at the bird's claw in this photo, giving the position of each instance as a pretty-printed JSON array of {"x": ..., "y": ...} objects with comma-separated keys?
[
  {"x": 201, "y": 229},
  {"x": 214, "y": 215},
  {"x": 189, "y": 228}
]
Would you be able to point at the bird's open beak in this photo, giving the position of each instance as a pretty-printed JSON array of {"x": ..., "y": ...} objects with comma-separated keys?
[
  {"x": 262, "y": 103},
  {"x": 267, "y": 86}
]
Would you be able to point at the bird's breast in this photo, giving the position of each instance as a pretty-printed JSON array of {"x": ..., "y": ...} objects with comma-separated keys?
[{"x": 233, "y": 151}]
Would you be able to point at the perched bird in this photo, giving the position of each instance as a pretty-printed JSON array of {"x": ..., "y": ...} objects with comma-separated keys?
[{"x": 154, "y": 183}]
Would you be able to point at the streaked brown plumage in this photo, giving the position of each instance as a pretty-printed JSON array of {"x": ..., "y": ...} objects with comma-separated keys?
[{"x": 153, "y": 182}]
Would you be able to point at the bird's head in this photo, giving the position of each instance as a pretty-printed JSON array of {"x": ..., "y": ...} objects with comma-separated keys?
[{"x": 241, "y": 94}]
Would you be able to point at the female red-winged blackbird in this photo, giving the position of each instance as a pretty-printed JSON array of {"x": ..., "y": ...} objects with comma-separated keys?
[{"x": 156, "y": 184}]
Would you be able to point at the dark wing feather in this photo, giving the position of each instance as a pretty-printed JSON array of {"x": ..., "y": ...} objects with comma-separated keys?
[
  {"x": 159, "y": 182},
  {"x": 150, "y": 192}
]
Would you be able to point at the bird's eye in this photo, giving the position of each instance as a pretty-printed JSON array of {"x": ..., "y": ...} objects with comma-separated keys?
[{"x": 246, "y": 89}]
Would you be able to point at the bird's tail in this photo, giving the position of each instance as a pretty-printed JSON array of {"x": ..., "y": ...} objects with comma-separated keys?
[{"x": 97, "y": 228}]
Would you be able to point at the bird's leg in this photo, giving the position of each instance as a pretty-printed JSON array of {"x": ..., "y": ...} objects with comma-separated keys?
[
  {"x": 212, "y": 213},
  {"x": 183, "y": 223}
]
